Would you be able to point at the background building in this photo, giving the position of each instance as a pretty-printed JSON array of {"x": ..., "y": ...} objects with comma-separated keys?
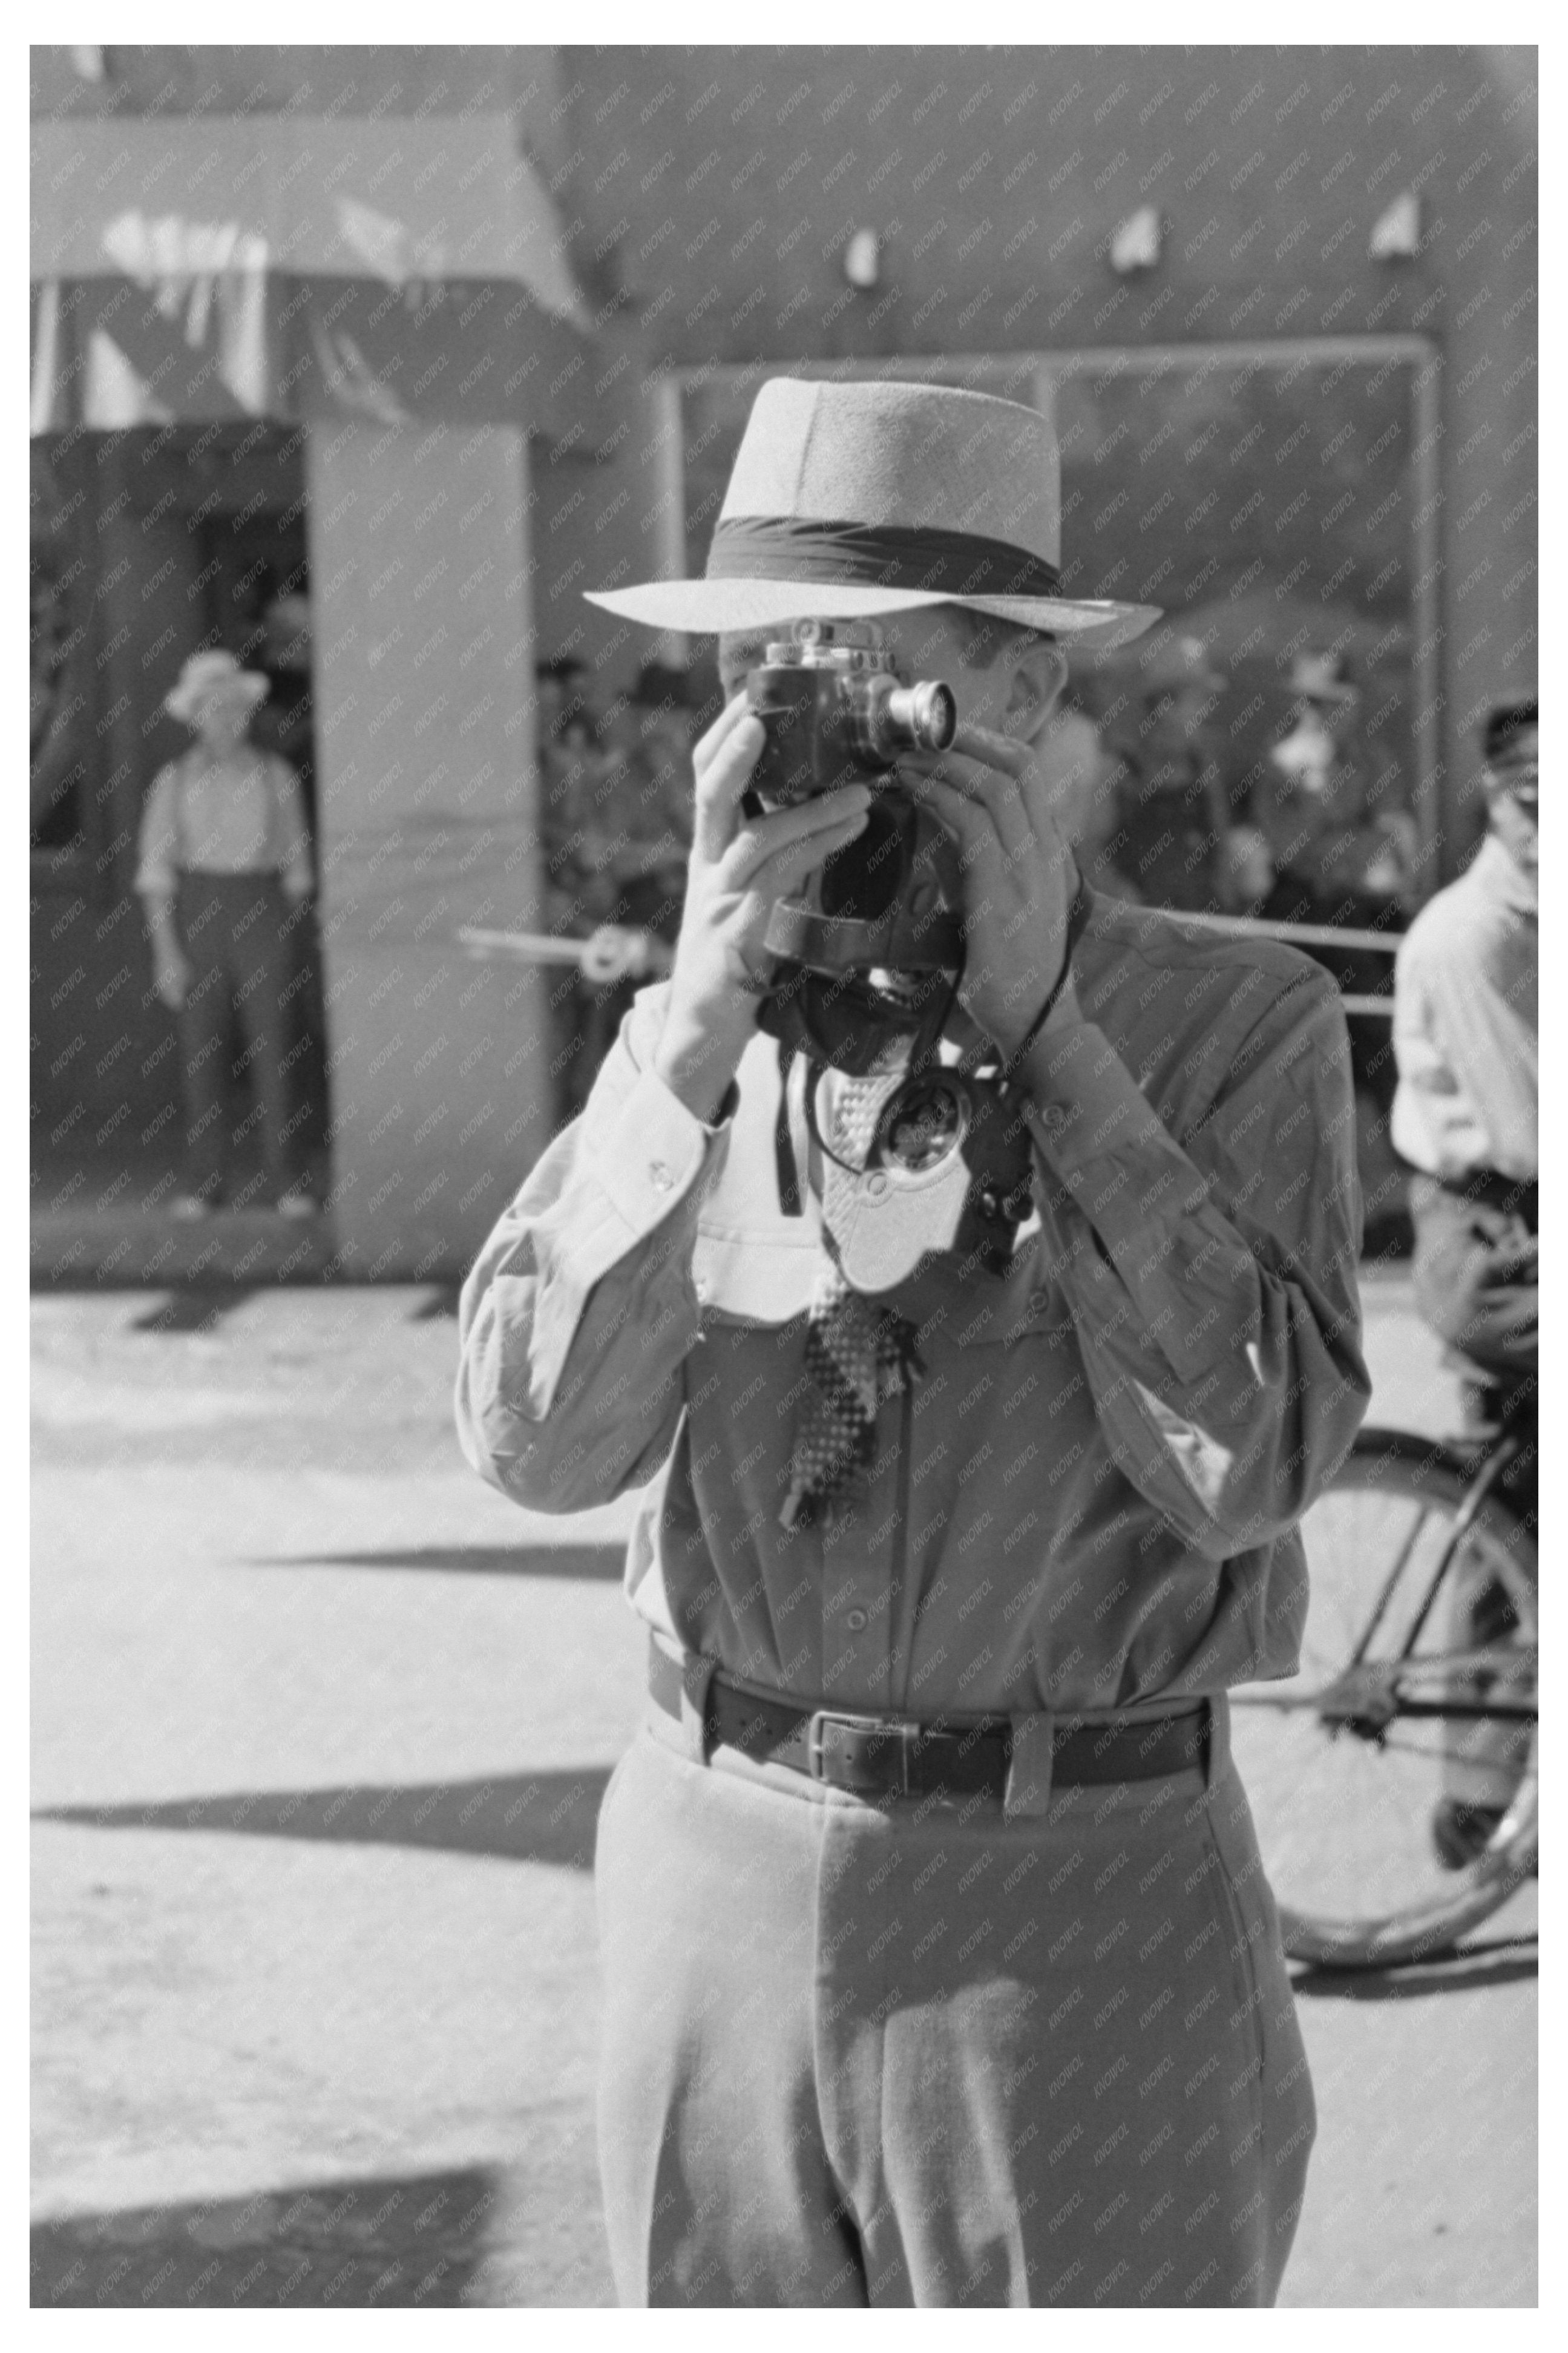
[{"x": 438, "y": 338}]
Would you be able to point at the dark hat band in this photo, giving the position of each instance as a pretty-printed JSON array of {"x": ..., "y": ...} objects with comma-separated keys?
[{"x": 846, "y": 555}]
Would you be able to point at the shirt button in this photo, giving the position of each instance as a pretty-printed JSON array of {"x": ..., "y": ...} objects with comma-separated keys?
[
  {"x": 659, "y": 1176},
  {"x": 856, "y": 1622},
  {"x": 1054, "y": 1120}
]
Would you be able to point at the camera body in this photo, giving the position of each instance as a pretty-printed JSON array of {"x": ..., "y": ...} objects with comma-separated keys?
[
  {"x": 835, "y": 713},
  {"x": 866, "y": 947},
  {"x": 949, "y": 1172},
  {"x": 869, "y": 955}
]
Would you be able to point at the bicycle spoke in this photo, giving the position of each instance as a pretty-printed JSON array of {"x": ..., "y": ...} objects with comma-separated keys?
[{"x": 1407, "y": 1705}]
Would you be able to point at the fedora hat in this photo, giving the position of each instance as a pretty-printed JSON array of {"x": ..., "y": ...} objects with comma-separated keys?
[
  {"x": 847, "y": 500},
  {"x": 1322, "y": 678},
  {"x": 206, "y": 677}
]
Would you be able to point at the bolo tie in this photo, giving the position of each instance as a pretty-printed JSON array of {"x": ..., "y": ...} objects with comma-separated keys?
[{"x": 857, "y": 1353}]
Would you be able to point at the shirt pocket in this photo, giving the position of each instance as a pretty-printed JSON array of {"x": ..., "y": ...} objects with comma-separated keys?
[
  {"x": 758, "y": 1273},
  {"x": 968, "y": 1308}
]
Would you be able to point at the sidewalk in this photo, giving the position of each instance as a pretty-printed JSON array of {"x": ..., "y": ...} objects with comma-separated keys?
[
  {"x": 120, "y": 1247},
  {"x": 321, "y": 1728}
]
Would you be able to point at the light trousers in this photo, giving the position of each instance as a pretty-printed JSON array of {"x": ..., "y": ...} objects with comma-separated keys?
[{"x": 916, "y": 2053}]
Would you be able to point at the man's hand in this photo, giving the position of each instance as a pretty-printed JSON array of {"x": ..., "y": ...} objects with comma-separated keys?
[
  {"x": 739, "y": 866},
  {"x": 1017, "y": 873}
]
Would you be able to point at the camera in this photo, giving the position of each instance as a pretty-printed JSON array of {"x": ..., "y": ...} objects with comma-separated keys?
[
  {"x": 835, "y": 713},
  {"x": 948, "y": 1171},
  {"x": 867, "y": 948},
  {"x": 870, "y": 957}
]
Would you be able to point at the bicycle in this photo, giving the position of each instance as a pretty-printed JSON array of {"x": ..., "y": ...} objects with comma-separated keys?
[{"x": 1416, "y": 1693}]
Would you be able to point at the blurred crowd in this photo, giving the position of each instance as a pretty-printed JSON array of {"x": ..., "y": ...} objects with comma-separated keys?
[
  {"x": 614, "y": 825},
  {"x": 1158, "y": 813}
]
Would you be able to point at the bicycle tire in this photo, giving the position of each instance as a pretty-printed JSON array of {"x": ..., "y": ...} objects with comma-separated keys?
[{"x": 1310, "y": 1862}]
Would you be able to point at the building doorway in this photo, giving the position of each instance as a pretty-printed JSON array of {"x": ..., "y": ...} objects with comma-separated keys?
[{"x": 147, "y": 546}]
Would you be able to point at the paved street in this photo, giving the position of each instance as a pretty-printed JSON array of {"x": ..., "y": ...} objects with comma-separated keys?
[{"x": 320, "y": 1727}]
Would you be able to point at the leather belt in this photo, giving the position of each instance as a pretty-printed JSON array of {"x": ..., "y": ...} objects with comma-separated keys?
[{"x": 888, "y": 1757}]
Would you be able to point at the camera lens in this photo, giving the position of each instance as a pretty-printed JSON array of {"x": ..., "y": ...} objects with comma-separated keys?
[
  {"x": 925, "y": 1121},
  {"x": 924, "y": 717}
]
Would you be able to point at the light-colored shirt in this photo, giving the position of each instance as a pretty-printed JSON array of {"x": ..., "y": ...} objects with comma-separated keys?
[
  {"x": 1465, "y": 989},
  {"x": 241, "y": 815},
  {"x": 1088, "y": 1496}
]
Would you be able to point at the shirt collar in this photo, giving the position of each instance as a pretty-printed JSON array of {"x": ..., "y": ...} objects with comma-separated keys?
[{"x": 1503, "y": 882}]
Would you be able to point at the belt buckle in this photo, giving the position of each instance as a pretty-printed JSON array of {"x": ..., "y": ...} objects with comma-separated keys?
[{"x": 833, "y": 1734}]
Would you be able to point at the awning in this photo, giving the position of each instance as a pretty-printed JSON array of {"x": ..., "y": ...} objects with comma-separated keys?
[{"x": 190, "y": 268}]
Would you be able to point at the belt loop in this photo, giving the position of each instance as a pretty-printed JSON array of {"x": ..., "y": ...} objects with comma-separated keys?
[
  {"x": 1028, "y": 1789},
  {"x": 696, "y": 1682}
]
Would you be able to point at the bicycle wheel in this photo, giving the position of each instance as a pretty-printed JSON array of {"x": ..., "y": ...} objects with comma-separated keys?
[{"x": 1396, "y": 1708}]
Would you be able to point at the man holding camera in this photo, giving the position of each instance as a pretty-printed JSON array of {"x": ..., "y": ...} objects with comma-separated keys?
[{"x": 939, "y": 1962}]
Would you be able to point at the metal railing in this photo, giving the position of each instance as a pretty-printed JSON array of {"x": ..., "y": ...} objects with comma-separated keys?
[{"x": 618, "y": 954}]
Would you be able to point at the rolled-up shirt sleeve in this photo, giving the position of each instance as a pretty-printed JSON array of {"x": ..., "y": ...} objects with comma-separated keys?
[
  {"x": 158, "y": 843},
  {"x": 577, "y": 1319},
  {"x": 1213, "y": 1279}
]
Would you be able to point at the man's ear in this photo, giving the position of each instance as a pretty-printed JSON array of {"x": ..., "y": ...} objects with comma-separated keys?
[{"x": 1039, "y": 674}]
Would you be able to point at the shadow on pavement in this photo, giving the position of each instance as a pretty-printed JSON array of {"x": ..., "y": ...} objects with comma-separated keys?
[
  {"x": 192, "y": 1308},
  {"x": 1502, "y": 1960},
  {"x": 442, "y": 1302},
  {"x": 415, "y": 2241},
  {"x": 546, "y": 1816},
  {"x": 598, "y": 1561}
]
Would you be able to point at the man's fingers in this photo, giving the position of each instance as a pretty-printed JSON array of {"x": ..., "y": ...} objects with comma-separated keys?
[
  {"x": 786, "y": 867},
  {"x": 964, "y": 817},
  {"x": 722, "y": 782},
  {"x": 995, "y": 751},
  {"x": 725, "y": 726},
  {"x": 809, "y": 823},
  {"x": 991, "y": 784}
]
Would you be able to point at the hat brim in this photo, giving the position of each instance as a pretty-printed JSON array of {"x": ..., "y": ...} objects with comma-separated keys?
[
  {"x": 704, "y": 607},
  {"x": 1339, "y": 694},
  {"x": 248, "y": 685}
]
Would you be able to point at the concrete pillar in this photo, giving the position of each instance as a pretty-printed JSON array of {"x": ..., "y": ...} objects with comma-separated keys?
[{"x": 419, "y": 578}]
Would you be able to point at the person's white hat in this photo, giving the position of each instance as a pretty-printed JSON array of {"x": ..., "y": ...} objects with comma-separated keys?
[
  {"x": 1322, "y": 678},
  {"x": 207, "y": 677},
  {"x": 1176, "y": 663},
  {"x": 847, "y": 500}
]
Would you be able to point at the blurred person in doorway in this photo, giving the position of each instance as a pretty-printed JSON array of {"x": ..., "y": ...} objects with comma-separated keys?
[
  {"x": 1170, "y": 822},
  {"x": 1466, "y": 1124},
  {"x": 224, "y": 865}
]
